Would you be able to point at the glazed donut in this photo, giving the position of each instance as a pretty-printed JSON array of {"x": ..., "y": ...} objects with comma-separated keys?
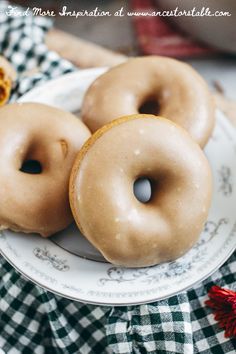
[
  {"x": 8, "y": 69},
  {"x": 126, "y": 231},
  {"x": 156, "y": 85},
  {"x": 43, "y": 140},
  {"x": 7, "y": 76}
]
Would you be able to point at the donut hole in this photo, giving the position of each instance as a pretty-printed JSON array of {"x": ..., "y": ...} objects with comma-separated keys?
[
  {"x": 142, "y": 189},
  {"x": 150, "y": 106},
  {"x": 33, "y": 167}
]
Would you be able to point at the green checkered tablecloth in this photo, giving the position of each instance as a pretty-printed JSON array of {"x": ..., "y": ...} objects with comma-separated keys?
[{"x": 33, "y": 320}]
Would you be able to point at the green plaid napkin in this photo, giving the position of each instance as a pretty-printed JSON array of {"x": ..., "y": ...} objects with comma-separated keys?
[{"x": 33, "y": 320}]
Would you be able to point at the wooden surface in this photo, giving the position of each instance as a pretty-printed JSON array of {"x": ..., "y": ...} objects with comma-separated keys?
[
  {"x": 82, "y": 53},
  {"x": 114, "y": 33}
]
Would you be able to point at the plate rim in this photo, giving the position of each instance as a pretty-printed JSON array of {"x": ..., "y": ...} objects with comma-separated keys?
[
  {"x": 80, "y": 72},
  {"x": 83, "y": 73},
  {"x": 113, "y": 303}
]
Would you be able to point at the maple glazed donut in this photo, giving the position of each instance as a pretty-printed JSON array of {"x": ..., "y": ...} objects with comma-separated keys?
[
  {"x": 38, "y": 146},
  {"x": 155, "y": 85},
  {"x": 126, "y": 231}
]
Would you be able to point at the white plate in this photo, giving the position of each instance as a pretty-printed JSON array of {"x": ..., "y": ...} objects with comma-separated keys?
[{"x": 52, "y": 267}]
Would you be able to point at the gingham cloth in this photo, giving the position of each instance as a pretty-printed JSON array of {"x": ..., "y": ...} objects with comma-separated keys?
[{"x": 33, "y": 320}]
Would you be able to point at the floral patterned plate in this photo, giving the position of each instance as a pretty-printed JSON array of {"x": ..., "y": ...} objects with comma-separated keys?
[{"x": 67, "y": 265}]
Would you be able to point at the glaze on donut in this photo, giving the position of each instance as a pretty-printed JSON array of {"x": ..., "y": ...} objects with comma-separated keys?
[
  {"x": 156, "y": 85},
  {"x": 49, "y": 138},
  {"x": 126, "y": 231}
]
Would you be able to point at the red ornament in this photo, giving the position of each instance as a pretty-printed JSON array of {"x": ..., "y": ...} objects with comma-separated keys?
[{"x": 223, "y": 303}]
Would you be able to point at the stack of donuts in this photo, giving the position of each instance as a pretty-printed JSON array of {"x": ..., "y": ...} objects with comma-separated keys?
[{"x": 149, "y": 117}]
